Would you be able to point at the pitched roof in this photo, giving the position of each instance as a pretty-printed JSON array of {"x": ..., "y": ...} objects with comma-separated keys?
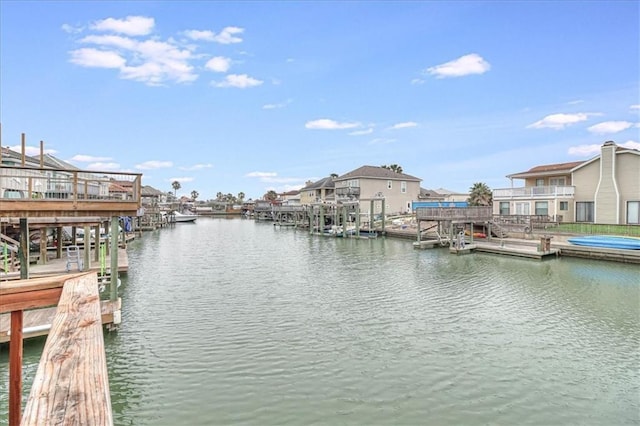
[
  {"x": 558, "y": 168},
  {"x": 322, "y": 183},
  {"x": 373, "y": 172}
]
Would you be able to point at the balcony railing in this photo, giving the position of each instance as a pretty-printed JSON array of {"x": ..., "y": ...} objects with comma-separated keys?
[
  {"x": 534, "y": 192},
  {"x": 25, "y": 189},
  {"x": 348, "y": 192}
]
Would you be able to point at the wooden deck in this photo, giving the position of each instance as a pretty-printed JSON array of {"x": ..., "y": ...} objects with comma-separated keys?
[{"x": 59, "y": 266}]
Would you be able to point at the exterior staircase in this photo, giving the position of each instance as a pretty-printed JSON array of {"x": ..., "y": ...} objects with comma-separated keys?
[
  {"x": 497, "y": 230},
  {"x": 9, "y": 259}
]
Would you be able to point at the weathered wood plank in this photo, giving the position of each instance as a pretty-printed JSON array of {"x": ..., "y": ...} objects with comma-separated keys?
[
  {"x": 29, "y": 300},
  {"x": 71, "y": 385},
  {"x": 8, "y": 287}
]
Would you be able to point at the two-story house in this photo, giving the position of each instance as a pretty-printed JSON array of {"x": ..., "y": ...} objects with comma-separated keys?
[
  {"x": 605, "y": 189},
  {"x": 369, "y": 182},
  {"x": 319, "y": 191}
]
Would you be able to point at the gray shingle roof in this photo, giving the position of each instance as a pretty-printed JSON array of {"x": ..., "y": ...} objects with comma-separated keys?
[
  {"x": 322, "y": 183},
  {"x": 373, "y": 172}
]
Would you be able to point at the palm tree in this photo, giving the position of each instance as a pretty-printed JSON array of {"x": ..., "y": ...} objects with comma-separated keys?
[
  {"x": 240, "y": 197},
  {"x": 219, "y": 196},
  {"x": 175, "y": 185},
  {"x": 394, "y": 167},
  {"x": 194, "y": 195},
  {"x": 480, "y": 195}
]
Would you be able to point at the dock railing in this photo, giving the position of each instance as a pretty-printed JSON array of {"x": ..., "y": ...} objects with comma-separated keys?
[
  {"x": 479, "y": 213},
  {"x": 28, "y": 191},
  {"x": 71, "y": 385}
]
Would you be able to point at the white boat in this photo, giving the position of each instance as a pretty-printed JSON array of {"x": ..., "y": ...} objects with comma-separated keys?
[{"x": 182, "y": 217}]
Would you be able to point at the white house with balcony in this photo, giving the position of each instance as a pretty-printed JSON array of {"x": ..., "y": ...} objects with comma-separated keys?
[{"x": 604, "y": 189}]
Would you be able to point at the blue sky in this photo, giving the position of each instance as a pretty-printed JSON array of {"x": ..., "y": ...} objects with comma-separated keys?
[{"x": 251, "y": 96}]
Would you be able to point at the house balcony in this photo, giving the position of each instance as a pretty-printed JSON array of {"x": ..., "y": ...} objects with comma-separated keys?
[
  {"x": 348, "y": 192},
  {"x": 532, "y": 192}
]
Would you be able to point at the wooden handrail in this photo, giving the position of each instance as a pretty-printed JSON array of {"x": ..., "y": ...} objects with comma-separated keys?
[{"x": 71, "y": 385}]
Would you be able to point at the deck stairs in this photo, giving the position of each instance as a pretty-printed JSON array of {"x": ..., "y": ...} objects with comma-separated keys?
[
  {"x": 497, "y": 230},
  {"x": 9, "y": 259}
]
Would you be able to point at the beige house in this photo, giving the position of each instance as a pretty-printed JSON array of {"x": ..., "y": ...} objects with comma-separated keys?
[
  {"x": 369, "y": 182},
  {"x": 605, "y": 189},
  {"x": 318, "y": 191}
]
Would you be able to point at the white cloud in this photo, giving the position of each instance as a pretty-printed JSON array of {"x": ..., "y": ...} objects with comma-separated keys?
[
  {"x": 276, "y": 106},
  {"x": 465, "y": 65},
  {"x": 197, "y": 167},
  {"x": 241, "y": 81},
  {"x": 362, "y": 132},
  {"x": 89, "y": 158},
  {"x": 576, "y": 102},
  {"x": 150, "y": 165},
  {"x": 417, "y": 81},
  {"x": 218, "y": 64},
  {"x": 584, "y": 150},
  {"x": 103, "y": 166},
  {"x": 94, "y": 58},
  {"x": 594, "y": 149},
  {"x": 404, "y": 125},
  {"x": 631, "y": 145},
  {"x": 560, "y": 121},
  {"x": 610, "y": 127},
  {"x": 180, "y": 179},
  {"x": 32, "y": 151},
  {"x": 200, "y": 35},
  {"x": 70, "y": 29},
  {"x": 131, "y": 25},
  {"x": 261, "y": 174},
  {"x": 226, "y": 36},
  {"x": 636, "y": 106},
  {"x": 327, "y": 124}
]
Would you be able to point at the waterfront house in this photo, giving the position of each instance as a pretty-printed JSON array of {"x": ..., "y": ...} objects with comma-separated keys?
[
  {"x": 322, "y": 190},
  {"x": 370, "y": 183},
  {"x": 604, "y": 189}
]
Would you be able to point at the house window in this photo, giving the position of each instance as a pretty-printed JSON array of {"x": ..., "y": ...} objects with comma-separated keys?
[
  {"x": 540, "y": 182},
  {"x": 542, "y": 208},
  {"x": 403, "y": 187},
  {"x": 564, "y": 205},
  {"x": 504, "y": 208},
  {"x": 584, "y": 211},
  {"x": 389, "y": 184},
  {"x": 633, "y": 212},
  {"x": 556, "y": 181}
]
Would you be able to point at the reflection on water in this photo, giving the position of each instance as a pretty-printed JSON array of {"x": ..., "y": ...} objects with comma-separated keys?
[{"x": 236, "y": 322}]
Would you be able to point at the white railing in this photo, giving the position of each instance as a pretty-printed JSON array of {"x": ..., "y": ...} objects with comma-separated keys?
[{"x": 534, "y": 192}]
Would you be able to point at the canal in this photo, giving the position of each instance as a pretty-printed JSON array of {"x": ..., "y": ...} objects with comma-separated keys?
[{"x": 229, "y": 321}]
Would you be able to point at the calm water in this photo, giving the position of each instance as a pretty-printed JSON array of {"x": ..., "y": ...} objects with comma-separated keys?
[{"x": 236, "y": 322}]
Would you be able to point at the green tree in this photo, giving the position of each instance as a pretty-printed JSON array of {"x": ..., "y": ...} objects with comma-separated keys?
[
  {"x": 175, "y": 185},
  {"x": 241, "y": 197},
  {"x": 480, "y": 195},
  {"x": 334, "y": 175},
  {"x": 194, "y": 195},
  {"x": 270, "y": 195},
  {"x": 393, "y": 167},
  {"x": 219, "y": 196}
]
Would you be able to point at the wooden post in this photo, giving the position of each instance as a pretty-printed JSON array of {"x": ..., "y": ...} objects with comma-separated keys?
[
  {"x": 24, "y": 249},
  {"x": 114, "y": 259},
  {"x": 357, "y": 206},
  {"x": 418, "y": 226},
  {"x": 42, "y": 154},
  {"x": 383, "y": 215},
  {"x": 96, "y": 248},
  {"x": 371, "y": 215},
  {"x": 344, "y": 221},
  {"x": 87, "y": 247},
  {"x": 43, "y": 246},
  {"x": 24, "y": 147},
  {"x": 15, "y": 369},
  {"x": 59, "y": 245}
]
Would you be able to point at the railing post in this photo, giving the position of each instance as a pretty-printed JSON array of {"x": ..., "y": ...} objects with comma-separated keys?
[{"x": 15, "y": 369}]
